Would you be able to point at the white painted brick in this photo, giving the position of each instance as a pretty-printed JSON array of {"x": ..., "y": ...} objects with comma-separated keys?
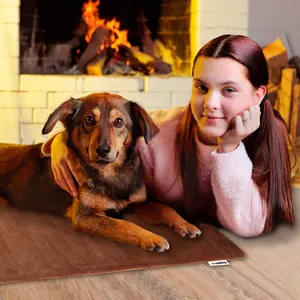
[
  {"x": 13, "y": 115},
  {"x": 9, "y": 65},
  {"x": 79, "y": 84},
  {"x": 10, "y": 140},
  {"x": 23, "y": 99},
  {"x": 51, "y": 83},
  {"x": 208, "y": 34},
  {"x": 238, "y": 6},
  {"x": 236, "y": 31},
  {"x": 9, "y": 82},
  {"x": 40, "y": 138},
  {"x": 9, "y": 14},
  {"x": 172, "y": 84},
  {"x": 223, "y": 19},
  {"x": 9, "y": 31},
  {"x": 9, "y": 134},
  {"x": 56, "y": 99},
  {"x": 10, "y": 2},
  {"x": 111, "y": 84},
  {"x": 40, "y": 115},
  {"x": 29, "y": 132},
  {"x": 26, "y": 115},
  {"x": 10, "y": 48},
  {"x": 155, "y": 100},
  {"x": 181, "y": 98},
  {"x": 8, "y": 116}
]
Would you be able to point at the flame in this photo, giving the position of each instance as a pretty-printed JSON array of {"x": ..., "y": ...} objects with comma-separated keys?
[{"x": 91, "y": 17}]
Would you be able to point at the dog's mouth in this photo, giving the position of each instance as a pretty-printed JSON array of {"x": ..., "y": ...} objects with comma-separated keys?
[{"x": 107, "y": 160}]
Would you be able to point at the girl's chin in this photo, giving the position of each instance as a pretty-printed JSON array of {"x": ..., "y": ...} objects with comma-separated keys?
[
  {"x": 213, "y": 132},
  {"x": 208, "y": 137}
]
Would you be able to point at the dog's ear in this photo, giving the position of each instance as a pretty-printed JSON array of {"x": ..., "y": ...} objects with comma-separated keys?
[
  {"x": 143, "y": 125},
  {"x": 66, "y": 111}
]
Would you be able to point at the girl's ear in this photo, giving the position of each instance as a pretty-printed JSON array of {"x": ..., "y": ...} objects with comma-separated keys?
[{"x": 259, "y": 94}]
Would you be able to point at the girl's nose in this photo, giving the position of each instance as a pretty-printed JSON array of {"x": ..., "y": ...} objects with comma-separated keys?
[{"x": 212, "y": 100}]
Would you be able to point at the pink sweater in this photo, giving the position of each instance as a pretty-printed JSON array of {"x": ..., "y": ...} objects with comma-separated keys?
[{"x": 226, "y": 177}]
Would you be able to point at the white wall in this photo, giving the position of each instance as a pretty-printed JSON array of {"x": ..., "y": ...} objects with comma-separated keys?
[
  {"x": 222, "y": 17},
  {"x": 271, "y": 18}
]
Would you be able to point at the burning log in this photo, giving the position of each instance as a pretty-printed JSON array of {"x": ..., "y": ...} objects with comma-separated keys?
[
  {"x": 99, "y": 41},
  {"x": 127, "y": 61}
]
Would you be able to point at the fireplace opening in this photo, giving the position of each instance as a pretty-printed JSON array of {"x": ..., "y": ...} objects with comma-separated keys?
[{"x": 105, "y": 37}]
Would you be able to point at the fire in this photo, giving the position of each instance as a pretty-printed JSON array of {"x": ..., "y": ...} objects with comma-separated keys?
[{"x": 91, "y": 17}]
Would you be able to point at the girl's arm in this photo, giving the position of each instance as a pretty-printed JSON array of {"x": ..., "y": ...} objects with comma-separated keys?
[{"x": 240, "y": 207}]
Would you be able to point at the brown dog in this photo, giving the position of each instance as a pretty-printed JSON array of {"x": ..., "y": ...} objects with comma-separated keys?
[{"x": 102, "y": 130}]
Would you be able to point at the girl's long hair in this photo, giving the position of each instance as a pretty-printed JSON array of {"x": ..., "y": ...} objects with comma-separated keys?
[{"x": 267, "y": 147}]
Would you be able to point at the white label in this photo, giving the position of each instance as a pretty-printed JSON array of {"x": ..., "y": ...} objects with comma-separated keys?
[{"x": 217, "y": 263}]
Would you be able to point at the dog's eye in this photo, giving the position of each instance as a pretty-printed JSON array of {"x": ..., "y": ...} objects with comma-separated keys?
[
  {"x": 118, "y": 122},
  {"x": 89, "y": 121}
]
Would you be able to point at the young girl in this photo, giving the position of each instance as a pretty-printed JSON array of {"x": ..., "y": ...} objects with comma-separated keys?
[{"x": 222, "y": 159}]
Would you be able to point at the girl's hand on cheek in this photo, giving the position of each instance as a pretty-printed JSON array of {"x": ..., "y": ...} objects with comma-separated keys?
[{"x": 242, "y": 125}]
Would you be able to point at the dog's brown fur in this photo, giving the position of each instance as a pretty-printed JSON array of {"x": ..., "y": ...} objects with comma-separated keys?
[{"x": 113, "y": 178}]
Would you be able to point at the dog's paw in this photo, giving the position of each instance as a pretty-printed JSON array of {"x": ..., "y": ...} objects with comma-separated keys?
[
  {"x": 187, "y": 230},
  {"x": 154, "y": 242}
]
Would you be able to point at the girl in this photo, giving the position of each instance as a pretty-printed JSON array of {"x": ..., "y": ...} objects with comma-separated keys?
[{"x": 222, "y": 159}]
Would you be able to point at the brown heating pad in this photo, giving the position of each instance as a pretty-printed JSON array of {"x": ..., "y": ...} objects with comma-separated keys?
[{"x": 35, "y": 247}]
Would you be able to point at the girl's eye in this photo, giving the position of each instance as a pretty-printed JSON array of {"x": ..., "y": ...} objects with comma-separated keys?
[
  {"x": 202, "y": 88},
  {"x": 118, "y": 122},
  {"x": 229, "y": 90},
  {"x": 89, "y": 121}
]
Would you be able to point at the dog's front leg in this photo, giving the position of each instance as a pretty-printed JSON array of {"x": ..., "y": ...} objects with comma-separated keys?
[
  {"x": 156, "y": 213},
  {"x": 120, "y": 230}
]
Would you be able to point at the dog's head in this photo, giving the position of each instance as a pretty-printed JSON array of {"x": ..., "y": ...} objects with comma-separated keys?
[{"x": 101, "y": 126}]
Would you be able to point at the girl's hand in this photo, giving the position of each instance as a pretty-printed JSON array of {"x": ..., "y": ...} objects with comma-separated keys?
[
  {"x": 243, "y": 125},
  {"x": 65, "y": 165}
]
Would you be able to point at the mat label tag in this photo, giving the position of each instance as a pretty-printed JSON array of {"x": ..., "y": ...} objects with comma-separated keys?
[{"x": 217, "y": 263}]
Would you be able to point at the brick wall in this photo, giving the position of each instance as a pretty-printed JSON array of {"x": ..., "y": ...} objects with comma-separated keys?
[
  {"x": 174, "y": 29},
  {"x": 24, "y": 112},
  {"x": 9, "y": 50},
  {"x": 223, "y": 16},
  {"x": 27, "y": 100}
]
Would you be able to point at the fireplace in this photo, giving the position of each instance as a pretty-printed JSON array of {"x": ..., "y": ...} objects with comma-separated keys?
[
  {"x": 105, "y": 37},
  {"x": 27, "y": 98}
]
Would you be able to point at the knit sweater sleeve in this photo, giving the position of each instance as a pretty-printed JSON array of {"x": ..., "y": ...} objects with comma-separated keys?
[
  {"x": 240, "y": 206},
  {"x": 145, "y": 153}
]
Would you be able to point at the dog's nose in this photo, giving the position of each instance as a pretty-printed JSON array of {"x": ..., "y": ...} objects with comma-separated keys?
[{"x": 103, "y": 150}]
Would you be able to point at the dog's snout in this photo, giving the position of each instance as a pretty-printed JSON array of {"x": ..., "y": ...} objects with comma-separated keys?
[{"x": 103, "y": 150}]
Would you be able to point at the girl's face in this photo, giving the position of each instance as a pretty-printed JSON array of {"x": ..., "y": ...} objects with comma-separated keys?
[{"x": 221, "y": 91}]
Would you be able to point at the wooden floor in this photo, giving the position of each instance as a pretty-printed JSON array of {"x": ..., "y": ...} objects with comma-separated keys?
[{"x": 271, "y": 271}]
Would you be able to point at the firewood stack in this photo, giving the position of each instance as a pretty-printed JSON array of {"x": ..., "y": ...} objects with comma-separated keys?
[{"x": 284, "y": 87}]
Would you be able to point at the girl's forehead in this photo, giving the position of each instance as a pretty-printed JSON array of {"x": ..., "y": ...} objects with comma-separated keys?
[{"x": 219, "y": 70}]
